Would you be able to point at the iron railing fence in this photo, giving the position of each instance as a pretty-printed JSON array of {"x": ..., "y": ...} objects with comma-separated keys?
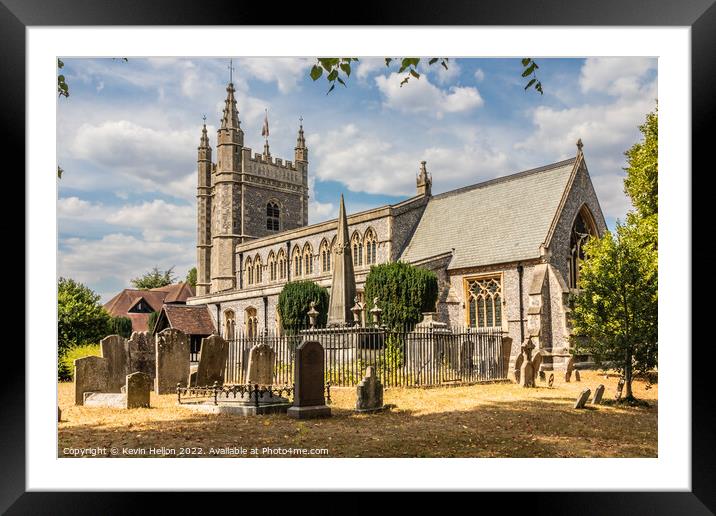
[{"x": 407, "y": 357}]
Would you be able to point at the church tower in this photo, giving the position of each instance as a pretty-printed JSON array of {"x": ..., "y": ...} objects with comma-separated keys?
[
  {"x": 301, "y": 160},
  {"x": 203, "y": 214},
  {"x": 226, "y": 217}
]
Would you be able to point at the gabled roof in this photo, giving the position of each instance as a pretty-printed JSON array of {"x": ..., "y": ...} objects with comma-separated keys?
[
  {"x": 497, "y": 221},
  {"x": 192, "y": 320},
  {"x": 120, "y": 304}
]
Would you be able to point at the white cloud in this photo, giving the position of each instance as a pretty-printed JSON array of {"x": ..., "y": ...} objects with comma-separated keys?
[
  {"x": 617, "y": 76},
  {"x": 442, "y": 75},
  {"x": 368, "y": 66},
  {"x": 421, "y": 96},
  {"x": 157, "y": 219},
  {"x": 479, "y": 75},
  {"x": 286, "y": 72}
]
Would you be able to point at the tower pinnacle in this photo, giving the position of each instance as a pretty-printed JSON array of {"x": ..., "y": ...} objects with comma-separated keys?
[
  {"x": 343, "y": 284},
  {"x": 301, "y": 149},
  {"x": 424, "y": 181}
]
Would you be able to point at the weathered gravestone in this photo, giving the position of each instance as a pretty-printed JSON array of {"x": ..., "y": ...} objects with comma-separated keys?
[
  {"x": 59, "y": 414},
  {"x": 369, "y": 393},
  {"x": 212, "y": 362},
  {"x": 172, "y": 361},
  {"x": 570, "y": 368},
  {"x": 90, "y": 376},
  {"x": 142, "y": 356},
  {"x": 577, "y": 378},
  {"x": 138, "y": 386},
  {"x": 527, "y": 372},
  {"x": 620, "y": 388},
  {"x": 261, "y": 362},
  {"x": 309, "y": 399},
  {"x": 582, "y": 399},
  {"x": 105, "y": 399},
  {"x": 551, "y": 380},
  {"x": 114, "y": 349},
  {"x": 598, "y": 393}
]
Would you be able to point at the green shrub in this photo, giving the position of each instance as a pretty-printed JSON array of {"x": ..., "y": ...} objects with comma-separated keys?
[
  {"x": 66, "y": 365},
  {"x": 121, "y": 326},
  {"x": 81, "y": 319},
  {"x": 404, "y": 292},
  {"x": 294, "y": 303},
  {"x": 151, "y": 321}
]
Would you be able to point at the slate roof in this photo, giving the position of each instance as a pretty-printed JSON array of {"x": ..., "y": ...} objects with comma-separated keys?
[
  {"x": 498, "y": 221},
  {"x": 120, "y": 304},
  {"x": 192, "y": 320}
]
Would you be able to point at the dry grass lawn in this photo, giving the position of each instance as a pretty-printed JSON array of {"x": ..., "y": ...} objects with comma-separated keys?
[{"x": 494, "y": 420}]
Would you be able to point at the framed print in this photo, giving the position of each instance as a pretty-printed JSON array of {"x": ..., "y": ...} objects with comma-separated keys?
[{"x": 251, "y": 257}]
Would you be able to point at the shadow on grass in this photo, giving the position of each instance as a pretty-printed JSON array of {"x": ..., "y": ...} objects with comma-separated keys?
[{"x": 521, "y": 428}]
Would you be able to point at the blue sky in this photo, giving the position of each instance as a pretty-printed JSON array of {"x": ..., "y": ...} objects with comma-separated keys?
[{"x": 128, "y": 133}]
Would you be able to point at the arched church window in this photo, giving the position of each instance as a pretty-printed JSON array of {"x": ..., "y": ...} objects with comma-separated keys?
[
  {"x": 273, "y": 216},
  {"x": 258, "y": 270},
  {"x": 582, "y": 230},
  {"x": 325, "y": 252},
  {"x": 281, "y": 264},
  {"x": 229, "y": 325},
  {"x": 484, "y": 297},
  {"x": 371, "y": 246},
  {"x": 357, "y": 246},
  {"x": 249, "y": 272},
  {"x": 307, "y": 260},
  {"x": 272, "y": 266},
  {"x": 297, "y": 263},
  {"x": 251, "y": 322}
]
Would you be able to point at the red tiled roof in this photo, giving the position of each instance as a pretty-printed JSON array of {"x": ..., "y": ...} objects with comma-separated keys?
[
  {"x": 192, "y": 320},
  {"x": 120, "y": 304}
]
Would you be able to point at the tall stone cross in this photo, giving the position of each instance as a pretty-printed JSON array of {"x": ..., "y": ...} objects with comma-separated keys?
[{"x": 343, "y": 284}]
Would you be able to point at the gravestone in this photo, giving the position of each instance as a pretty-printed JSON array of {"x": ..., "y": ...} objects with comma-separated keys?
[
  {"x": 620, "y": 388},
  {"x": 551, "y": 380},
  {"x": 582, "y": 399},
  {"x": 105, "y": 399},
  {"x": 570, "y": 368},
  {"x": 542, "y": 376},
  {"x": 598, "y": 393},
  {"x": 369, "y": 393},
  {"x": 59, "y": 414},
  {"x": 261, "y": 363},
  {"x": 527, "y": 372},
  {"x": 212, "y": 361},
  {"x": 138, "y": 386},
  {"x": 114, "y": 349},
  {"x": 142, "y": 356},
  {"x": 518, "y": 366},
  {"x": 577, "y": 378},
  {"x": 309, "y": 376},
  {"x": 90, "y": 376},
  {"x": 537, "y": 363},
  {"x": 172, "y": 360}
]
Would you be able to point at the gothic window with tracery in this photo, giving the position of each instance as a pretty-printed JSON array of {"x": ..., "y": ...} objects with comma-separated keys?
[
  {"x": 281, "y": 265},
  {"x": 484, "y": 297},
  {"x": 249, "y": 272},
  {"x": 325, "y": 253},
  {"x": 297, "y": 263},
  {"x": 273, "y": 215},
  {"x": 229, "y": 325},
  {"x": 307, "y": 260},
  {"x": 371, "y": 246},
  {"x": 582, "y": 230},
  {"x": 272, "y": 266},
  {"x": 357, "y": 246},
  {"x": 258, "y": 270}
]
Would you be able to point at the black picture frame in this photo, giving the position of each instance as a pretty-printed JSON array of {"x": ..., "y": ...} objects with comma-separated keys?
[{"x": 699, "y": 15}]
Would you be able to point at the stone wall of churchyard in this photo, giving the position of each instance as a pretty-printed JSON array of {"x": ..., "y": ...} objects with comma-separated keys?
[
  {"x": 510, "y": 291},
  {"x": 582, "y": 192}
]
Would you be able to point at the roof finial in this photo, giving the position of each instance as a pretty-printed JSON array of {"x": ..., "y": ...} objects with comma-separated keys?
[
  {"x": 579, "y": 145},
  {"x": 231, "y": 71},
  {"x": 265, "y": 134}
]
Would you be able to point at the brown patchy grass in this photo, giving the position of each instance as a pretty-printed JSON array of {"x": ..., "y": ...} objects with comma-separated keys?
[{"x": 493, "y": 420}]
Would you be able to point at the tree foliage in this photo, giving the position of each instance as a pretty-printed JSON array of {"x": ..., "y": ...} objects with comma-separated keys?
[
  {"x": 121, "y": 326},
  {"x": 81, "y": 319},
  {"x": 642, "y": 181},
  {"x": 404, "y": 292},
  {"x": 294, "y": 302},
  {"x": 615, "y": 313},
  {"x": 155, "y": 279},
  {"x": 338, "y": 69},
  {"x": 191, "y": 277}
]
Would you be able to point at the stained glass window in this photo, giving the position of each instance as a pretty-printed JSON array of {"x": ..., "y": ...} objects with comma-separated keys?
[{"x": 484, "y": 302}]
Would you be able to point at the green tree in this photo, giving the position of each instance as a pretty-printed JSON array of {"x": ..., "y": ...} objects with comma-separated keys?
[
  {"x": 615, "y": 313},
  {"x": 338, "y": 69},
  {"x": 154, "y": 279},
  {"x": 81, "y": 319},
  {"x": 191, "y": 277},
  {"x": 152, "y": 321},
  {"x": 404, "y": 292},
  {"x": 121, "y": 326},
  {"x": 294, "y": 302}
]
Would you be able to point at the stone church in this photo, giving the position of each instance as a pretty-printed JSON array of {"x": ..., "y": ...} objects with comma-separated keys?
[{"x": 506, "y": 251}]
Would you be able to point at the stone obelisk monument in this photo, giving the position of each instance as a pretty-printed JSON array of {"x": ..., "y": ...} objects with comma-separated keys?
[{"x": 343, "y": 286}]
